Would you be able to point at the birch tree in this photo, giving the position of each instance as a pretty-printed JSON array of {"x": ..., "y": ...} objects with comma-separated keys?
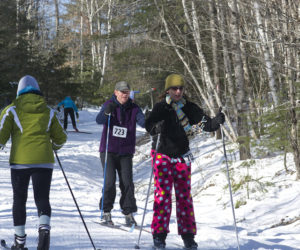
[
  {"x": 192, "y": 21},
  {"x": 226, "y": 57},
  {"x": 81, "y": 40},
  {"x": 266, "y": 51},
  {"x": 242, "y": 105},
  {"x": 214, "y": 45},
  {"x": 292, "y": 76},
  {"x": 90, "y": 10},
  {"x": 109, "y": 18},
  {"x": 56, "y": 4}
]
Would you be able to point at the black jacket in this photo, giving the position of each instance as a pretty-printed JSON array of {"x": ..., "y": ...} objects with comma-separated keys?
[{"x": 174, "y": 141}]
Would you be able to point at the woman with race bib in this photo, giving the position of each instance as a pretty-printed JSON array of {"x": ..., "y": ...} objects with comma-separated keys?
[{"x": 124, "y": 115}]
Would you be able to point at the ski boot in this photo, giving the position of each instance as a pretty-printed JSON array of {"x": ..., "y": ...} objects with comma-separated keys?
[
  {"x": 190, "y": 243},
  {"x": 44, "y": 237},
  {"x": 107, "y": 219},
  {"x": 129, "y": 220},
  {"x": 19, "y": 243},
  {"x": 159, "y": 241}
]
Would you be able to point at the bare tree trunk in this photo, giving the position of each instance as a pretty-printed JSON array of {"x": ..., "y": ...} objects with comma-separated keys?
[
  {"x": 294, "y": 137},
  {"x": 99, "y": 30},
  {"x": 29, "y": 16},
  {"x": 56, "y": 17},
  {"x": 189, "y": 70},
  {"x": 93, "y": 9},
  {"x": 291, "y": 78},
  {"x": 205, "y": 75},
  {"x": 227, "y": 60},
  {"x": 242, "y": 126},
  {"x": 81, "y": 40},
  {"x": 213, "y": 27},
  {"x": 17, "y": 21},
  {"x": 193, "y": 24},
  {"x": 109, "y": 17},
  {"x": 90, "y": 13},
  {"x": 265, "y": 49},
  {"x": 250, "y": 114},
  {"x": 252, "y": 117}
]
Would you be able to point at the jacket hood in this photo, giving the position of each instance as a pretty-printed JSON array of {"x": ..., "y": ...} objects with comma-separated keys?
[
  {"x": 31, "y": 103},
  {"x": 27, "y": 84}
]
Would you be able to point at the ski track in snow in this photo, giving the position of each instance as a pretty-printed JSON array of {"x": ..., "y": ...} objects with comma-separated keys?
[{"x": 81, "y": 163}]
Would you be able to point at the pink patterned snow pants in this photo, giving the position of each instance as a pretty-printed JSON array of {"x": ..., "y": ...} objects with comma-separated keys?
[{"x": 166, "y": 172}]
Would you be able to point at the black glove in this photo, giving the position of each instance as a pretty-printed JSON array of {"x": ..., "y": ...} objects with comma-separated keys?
[
  {"x": 159, "y": 127},
  {"x": 77, "y": 115},
  {"x": 58, "y": 108},
  {"x": 147, "y": 113},
  {"x": 110, "y": 108},
  {"x": 220, "y": 118}
]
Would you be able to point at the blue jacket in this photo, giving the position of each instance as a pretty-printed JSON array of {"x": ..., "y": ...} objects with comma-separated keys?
[
  {"x": 126, "y": 116},
  {"x": 68, "y": 103}
]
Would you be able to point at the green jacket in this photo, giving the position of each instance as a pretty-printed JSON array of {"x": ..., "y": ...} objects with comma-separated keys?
[{"x": 34, "y": 130}]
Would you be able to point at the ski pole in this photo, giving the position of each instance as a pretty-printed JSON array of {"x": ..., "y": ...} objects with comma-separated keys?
[
  {"x": 229, "y": 184},
  {"x": 105, "y": 165},
  {"x": 154, "y": 159},
  {"x": 75, "y": 200}
]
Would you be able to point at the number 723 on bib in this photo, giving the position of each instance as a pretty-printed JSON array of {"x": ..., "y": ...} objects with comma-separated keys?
[{"x": 119, "y": 132}]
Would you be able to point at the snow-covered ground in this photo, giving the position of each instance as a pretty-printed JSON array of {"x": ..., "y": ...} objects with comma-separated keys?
[{"x": 269, "y": 200}]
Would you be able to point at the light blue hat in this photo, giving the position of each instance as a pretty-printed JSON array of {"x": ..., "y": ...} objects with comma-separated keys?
[{"x": 26, "y": 84}]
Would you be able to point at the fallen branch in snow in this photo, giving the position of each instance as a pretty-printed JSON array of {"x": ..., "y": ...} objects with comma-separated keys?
[{"x": 286, "y": 221}]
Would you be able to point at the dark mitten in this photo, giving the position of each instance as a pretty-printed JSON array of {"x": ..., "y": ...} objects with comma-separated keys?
[
  {"x": 110, "y": 108},
  {"x": 147, "y": 113},
  {"x": 219, "y": 119},
  {"x": 159, "y": 127},
  {"x": 77, "y": 115},
  {"x": 58, "y": 108}
]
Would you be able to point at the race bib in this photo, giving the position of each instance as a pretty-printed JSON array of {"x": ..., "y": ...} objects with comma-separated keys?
[
  {"x": 188, "y": 157},
  {"x": 119, "y": 132}
]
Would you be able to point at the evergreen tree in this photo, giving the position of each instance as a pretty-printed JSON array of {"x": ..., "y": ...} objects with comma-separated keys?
[{"x": 14, "y": 56}]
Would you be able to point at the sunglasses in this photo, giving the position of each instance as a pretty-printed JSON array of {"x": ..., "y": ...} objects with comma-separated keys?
[
  {"x": 125, "y": 92},
  {"x": 176, "y": 88}
]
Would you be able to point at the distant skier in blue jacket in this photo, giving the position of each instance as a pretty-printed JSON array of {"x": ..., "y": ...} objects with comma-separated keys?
[{"x": 69, "y": 109}]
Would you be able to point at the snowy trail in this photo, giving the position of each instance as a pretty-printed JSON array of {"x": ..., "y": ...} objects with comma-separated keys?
[{"x": 80, "y": 160}]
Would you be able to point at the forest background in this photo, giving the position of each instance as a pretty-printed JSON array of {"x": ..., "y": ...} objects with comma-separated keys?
[{"x": 242, "y": 55}]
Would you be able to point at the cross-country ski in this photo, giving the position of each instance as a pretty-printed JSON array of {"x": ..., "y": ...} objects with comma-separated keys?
[
  {"x": 5, "y": 246},
  {"x": 83, "y": 132}
]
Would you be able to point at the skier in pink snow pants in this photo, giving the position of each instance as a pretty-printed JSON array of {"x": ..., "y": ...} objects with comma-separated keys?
[
  {"x": 167, "y": 172},
  {"x": 173, "y": 118}
]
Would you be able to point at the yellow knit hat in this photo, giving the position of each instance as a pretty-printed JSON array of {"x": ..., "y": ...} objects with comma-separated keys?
[{"x": 174, "y": 80}]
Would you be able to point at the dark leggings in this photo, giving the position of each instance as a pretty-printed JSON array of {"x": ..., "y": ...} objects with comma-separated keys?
[
  {"x": 69, "y": 111},
  {"x": 41, "y": 181}
]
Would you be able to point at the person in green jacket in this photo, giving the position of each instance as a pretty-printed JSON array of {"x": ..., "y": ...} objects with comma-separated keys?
[{"x": 35, "y": 132}]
